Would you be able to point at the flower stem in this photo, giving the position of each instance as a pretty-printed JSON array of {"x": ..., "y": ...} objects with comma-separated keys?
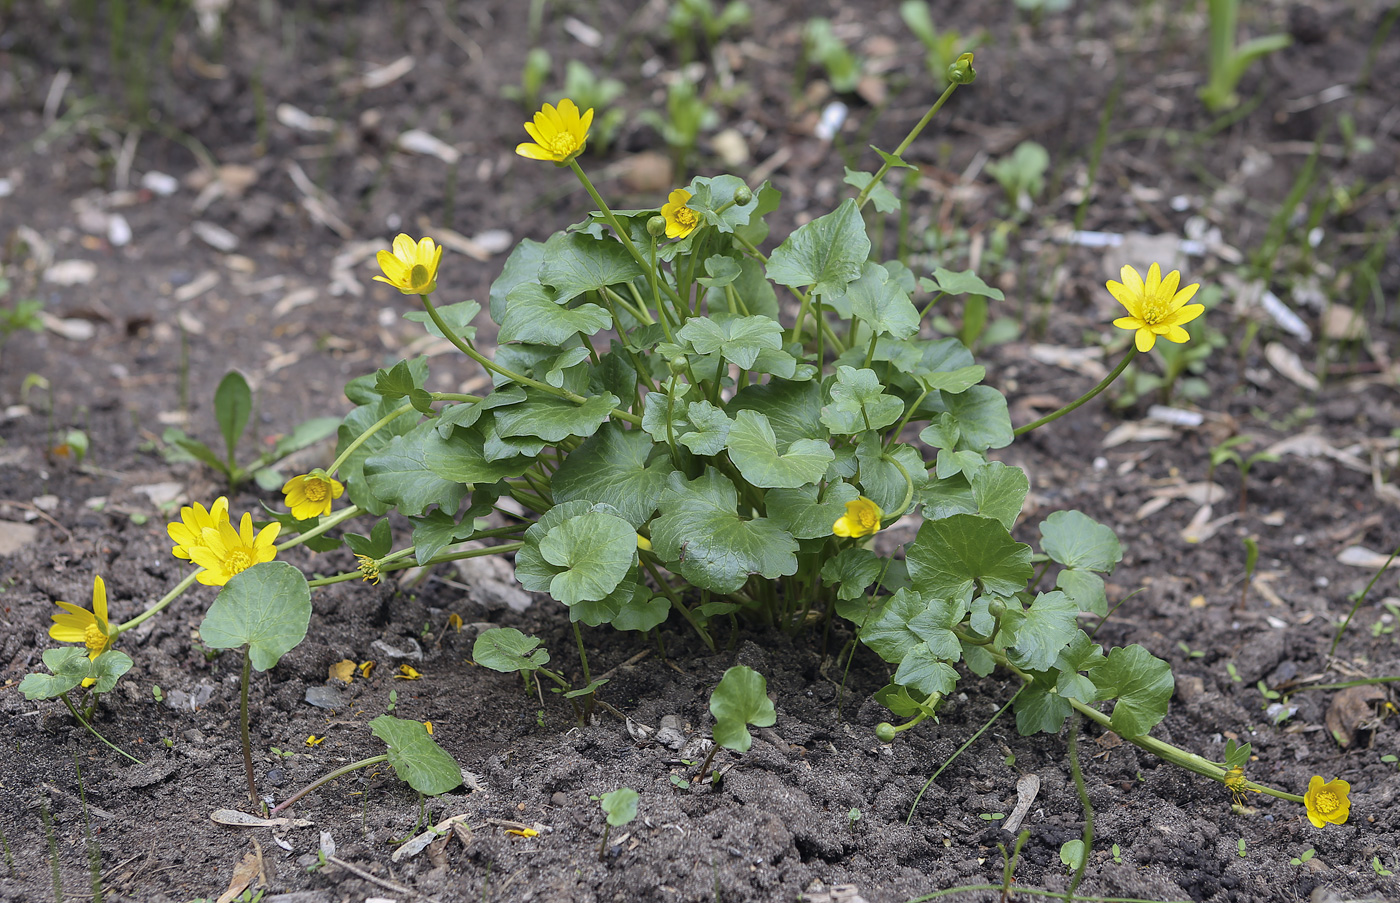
[
  {"x": 904, "y": 145},
  {"x": 327, "y": 778},
  {"x": 84, "y": 722},
  {"x": 164, "y": 601},
  {"x": 400, "y": 564},
  {"x": 1088, "y": 396},
  {"x": 374, "y": 428},
  {"x": 1359, "y": 599},
  {"x": 243, "y": 724}
]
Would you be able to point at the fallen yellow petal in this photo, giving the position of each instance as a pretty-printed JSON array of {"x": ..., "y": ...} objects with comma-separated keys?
[{"x": 407, "y": 672}]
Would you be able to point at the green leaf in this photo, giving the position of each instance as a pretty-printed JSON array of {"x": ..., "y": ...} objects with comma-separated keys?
[
  {"x": 827, "y": 254},
  {"x": 70, "y": 667},
  {"x": 883, "y": 199},
  {"x": 752, "y": 289},
  {"x": 664, "y": 415},
  {"x": 1081, "y": 654},
  {"x": 982, "y": 417},
  {"x": 642, "y": 612},
  {"x": 1035, "y": 637},
  {"x": 1076, "y": 540},
  {"x": 416, "y": 758},
  {"x": 1142, "y": 684},
  {"x": 305, "y": 434},
  {"x": 466, "y": 415},
  {"x": 801, "y": 513},
  {"x": 575, "y": 263},
  {"x": 964, "y": 283},
  {"x": 192, "y": 447},
  {"x": 533, "y": 315},
  {"x": 721, "y": 549},
  {"x": 889, "y": 633},
  {"x": 554, "y": 419},
  {"x": 1085, "y": 589},
  {"x": 464, "y": 458},
  {"x": 711, "y": 431},
  {"x": 950, "y": 557},
  {"x": 793, "y": 409},
  {"x": 107, "y": 668},
  {"x": 593, "y": 551},
  {"x": 722, "y": 271},
  {"x": 358, "y": 422},
  {"x": 757, "y": 230},
  {"x": 611, "y": 466},
  {"x": 399, "y": 382},
  {"x": 922, "y": 670},
  {"x": 944, "y": 498},
  {"x": 881, "y": 304},
  {"x": 266, "y": 608},
  {"x": 898, "y": 700},
  {"x": 952, "y": 382},
  {"x": 708, "y": 195},
  {"x": 738, "y": 340},
  {"x": 999, "y": 491},
  {"x": 405, "y": 473},
  {"x": 522, "y": 266},
  {"x": 436, "y": 530},
  {"x": 620, "y": 806},
  {"x": 753, "y": 448},
  {"x": 880, "y": 480},
  {"x": 233, "y": 404},
  {"x": 458, "y": 318},
  {"x": 894, "y": 160},
  {"x": 967, "y": 463},
  {"x": 851, "y": 571},
  {"x": 1040, "y": 710},
  {"x": 508, "y": 650},
  {"x": 740, "y": 699},
  {"x": 858, "y": 403}
]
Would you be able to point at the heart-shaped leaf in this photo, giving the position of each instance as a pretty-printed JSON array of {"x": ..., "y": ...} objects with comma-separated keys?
[
  {"x": 266, "y": 608},
  {"x": 740, "y": 699},
  {"x": 415, "y": 756}
]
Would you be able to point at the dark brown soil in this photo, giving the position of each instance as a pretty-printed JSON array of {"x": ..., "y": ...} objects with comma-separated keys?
[{"x": 169, "y": 315}]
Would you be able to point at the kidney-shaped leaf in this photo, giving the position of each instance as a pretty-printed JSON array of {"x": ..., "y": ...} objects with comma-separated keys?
[
  {"x": 1076, "y": 540},
  {"x": 753, "y": 448},
  {"x": 70, "y": 666},
  {"x": 1142, "y": 684},
  {"x": 949, "y": 557},
  {"x": 740, "y": 699},
  {"x": 416, "y": 758},
  {"x": 593, "y": 551},
  {"x": 507, "y": 650},
  {"x": 266, "y": 608}
]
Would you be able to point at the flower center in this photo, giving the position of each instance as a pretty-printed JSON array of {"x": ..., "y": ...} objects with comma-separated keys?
[
  {"x": 562, "y": 144},
  {"x": 315, "y": 489},
  {"x": 237, "y": 561},
  {"x": 418, "y": 278},
  {"x": 1154, "y": 311},
  {"x": 94, "y": 638},
  {"x": 866, "y": 518},
  {"x": 1327, "y": 802},
  {"x": 685, "y": 218}
]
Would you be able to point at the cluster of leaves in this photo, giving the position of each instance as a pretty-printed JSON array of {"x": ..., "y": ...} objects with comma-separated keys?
[{"x": 695, "y": 464}]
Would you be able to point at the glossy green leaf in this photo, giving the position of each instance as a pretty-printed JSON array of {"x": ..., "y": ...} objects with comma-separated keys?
[
  {"x": 594, "y": 552},
  {"x": 901, "y": 703},
  {"x": 611, "y": 466},
  {"x": 964, "y": 283},
  {"x": 532, "y": 315},
  {"x": 508, "y": 650},
  {"x": 358, "y": 422},
  {"x": 889, "y": 633},
  {"x": 944, "y": 498},
  {"x": 1081, "y": 654},
  {"x": 522, "y": 266},
  {"x": 753, "y": 448},
  {"x": 881, "y": 304},
  {"x": 752, "y": 290},
  {"x": 881, "y": 196},
  {"x": 665, "y": 415},
  {"x": 982, "y": 417},
  {"x": 738, "y": 340},
  {"x": 827, "y": 253},
  {"x": 642, "y": 612},
  {"x": 266, "y": 608},
  {"x": 1085, "y": 589},
  {"x": 881, "y": 480},
  {"x": 406, "y": 473},
  {"x": 415, "y": 756},
  {"x": 458, "y": 318},
  {"x": 463, "y": 458},
  {"x": 233, "y": 404},
  {"x": 1040, "y": 710},
  {"x": 950, "y": 557},
  {"x": 711, "y": 429},
  {"x": 858, "y": 403},
  {"x": 793, "y": 409},
  {"x": 107, "y": 668},
  {"x": 399, "y": 382},
  {"x": 438, "y": 529},
  {"x": 804, "y": 514},
  {"x": 1076, "y": 540},
  {"x": 554, "y": 419},
  {"x": 740, "y": 699},
  {"x": 999, "y": 490},
  {"x": 377, "y": 544},
  {"x": 1142, "y": 684},
  {"x": 923, "y": 671},
  {"x": 722, "y": 271},
  {"x": 701, "y": 535},
  {"x": 575, "y": 263},
  {"x": 852, "y": 571},
  {"x": 70, "y": 667},
  {"x": 1034, "y": 638},
  {"x": 709, "y": 195}
]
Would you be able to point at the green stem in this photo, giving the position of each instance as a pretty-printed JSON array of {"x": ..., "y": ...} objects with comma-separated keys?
[
  {"x": 959, "y": 751},
  {"x": 374, "y": 428},
  {"x": 327, "y": 778},
  {"x": 904, "y": 145},
  {"x": 899, "y": 427},
  {"x": 243, "y": 724},
  {"x": 490, "y": 365},
  {"x": 164, "y": 601},
  {"x": 327, "y": 522},
  {"x": 400, "y": 564},
  {"x": 1359, "y": 599},
  {"x": 1088, "y": 396},
  {"x": 83, "y": 721},
  {"x": 582, "y": 655}
]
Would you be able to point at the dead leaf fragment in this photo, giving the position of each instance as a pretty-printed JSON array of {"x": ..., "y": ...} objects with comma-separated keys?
[
  {"x": 1354, "y": 715},
  {"x": 343, "y": 671},
  {"x": 244, "y": 874},
  {"x": 1287, "y": 362}
]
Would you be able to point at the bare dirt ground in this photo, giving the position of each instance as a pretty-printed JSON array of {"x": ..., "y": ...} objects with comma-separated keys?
[{"x": 284, "y": 140}]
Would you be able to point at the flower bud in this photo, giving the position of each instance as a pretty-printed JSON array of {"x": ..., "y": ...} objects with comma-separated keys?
[
  {"x": 742, "y": 195},
  {"x": 961, "y": 71},
  {"x": 678, "y": 363},
  {"x": 656, "y": 226},
  {"x": 884, "y": 732}
]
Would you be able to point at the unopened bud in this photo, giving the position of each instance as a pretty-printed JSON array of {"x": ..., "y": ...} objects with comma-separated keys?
[
  {"x": 961, "y": 71},
  {"x": 656, "y": 226},
  {"x": 742, "y": 195},
  {"x": 678, "y": 363},
  {"x": 884, "y": 732}
]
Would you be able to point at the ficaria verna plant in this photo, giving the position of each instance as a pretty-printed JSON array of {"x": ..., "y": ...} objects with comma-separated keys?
[{"x": 687, "y": 450}]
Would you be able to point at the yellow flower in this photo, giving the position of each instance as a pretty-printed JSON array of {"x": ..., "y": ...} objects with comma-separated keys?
[
  {"x": 862, "y": 518},
  {"x": 411, "y": 268},
  {"x": 1236, "y": 782},
  {"x": 1156, "y": 307},
  {"x": 523, "y": 832},
  {"x": 227, "y": 552},
  {"x": 560, "y": 134},
  {"x": 188, "y": 532},
  {"x": 454, "y": 621},
  {"x": 643, "y": 543},
  {"x": 1327, "y": 802},
  {"x": 78, "y": 625},
  {"x": 369, "y": 569},
  {"x": 310, "y": 495},
  {"x": 680, "y": 219}
]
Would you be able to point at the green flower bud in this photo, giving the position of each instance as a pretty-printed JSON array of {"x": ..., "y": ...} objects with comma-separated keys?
[
  {"x": 961, "y": 71},
  {"x": 884, "y": 732},
  {"x": 656, "y": 226},
  {"x": 742, "y": 195},
  {"x": 678, "y": 363}
]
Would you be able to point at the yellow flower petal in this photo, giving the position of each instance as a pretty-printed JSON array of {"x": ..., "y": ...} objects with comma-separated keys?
[{"x": 1145, "y": 339}]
